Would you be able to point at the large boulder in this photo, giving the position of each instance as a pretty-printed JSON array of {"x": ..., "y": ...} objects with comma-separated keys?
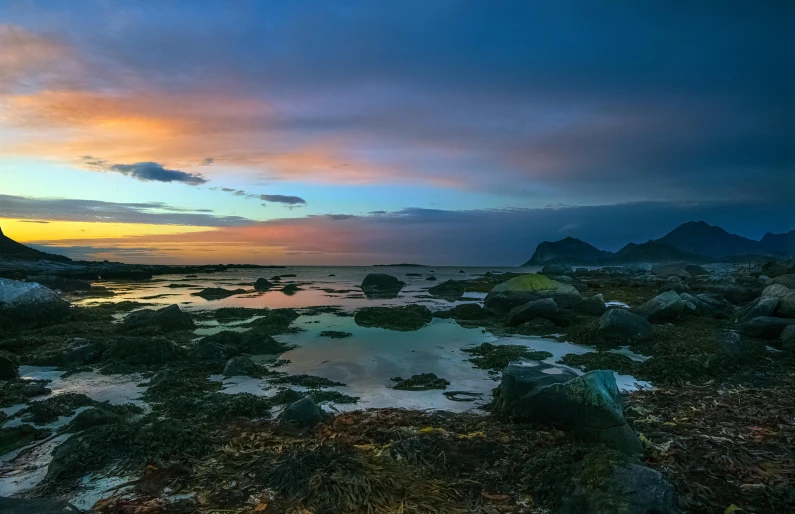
[
  {"x": 788, "y": 338},
  {"x": 786, "y": 307},
  {"x": 144, "y": 351},
  {"x": 545, "y": 308},
  {"x": 262, "y": 284},
  {"x": 708, "y": 306},
  {"x": 29, "y": 303},
  {"x": 464, "y": 312},
  {"x": 765, "y": 327},
  {"x": 303, "y": 413},
  {"x": 786, "y": 280},
  {"x": 448, "y": 289},
  {"x": 525, "y": 288},
  {"x": 622, "y": 325},
  {"x": 381, "y": 285},
  {"x": 148, "y": 321},
  {"x": 666, "y": 306},
  {"x": 588, "y": 406},
  {"x": 591, "y": 306}
]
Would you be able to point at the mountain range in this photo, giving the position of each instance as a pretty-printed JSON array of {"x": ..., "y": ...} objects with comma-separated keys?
[{"x": 694, "y": 241}]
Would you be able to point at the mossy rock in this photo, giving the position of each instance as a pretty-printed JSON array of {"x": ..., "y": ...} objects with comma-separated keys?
[
  {"x": 422, "y": 382},
  {"x": 405, "y": 318}
]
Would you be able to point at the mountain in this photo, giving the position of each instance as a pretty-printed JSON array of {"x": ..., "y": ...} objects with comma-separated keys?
[
  {"x": 569, "y": 251},
  {"x": 700, "y": 238},
  {"x": 654, "y": 251},
  {"x": 10, "y": 249},
  {"x": 779, "y": 243}
]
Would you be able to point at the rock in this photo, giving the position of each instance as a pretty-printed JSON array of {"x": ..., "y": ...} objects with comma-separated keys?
[
  {"x": 556, "y": 268},
  {"x": 786, "y": 307},
  {"x": 9, "y": 366},
  {"x": 381, "y": 285},
  {"x": 290, "y": 289},
  {"x": 707, "y": 306},
  {"x": 587, "y": 405},
  {"x": 241, "y": 366},
  {"x": 406, "y": 318},
  {"x": 93, "y": 417},
  {"x": 730, "y": 345},
  {"x": 764, "y": 306},
  {"x": 620, "y": 324},
  {"x": 35, "y": 506},
  {"x": 774, "y": 269},
  {"x": 148, "y": 321},
  {"x": 664, "y": 307},
  {"x": 788, "y": 338},
  {"x": 591, "y": 306},
  {"x": 545, "y": 308},
  {"x": 534, "y": 326},
  {"x": 765, "y": 327},
  {"x": 217, "y": 293},
  {"x": 422, "y": 382},
  {"x": 303, "y": 413},
  {"x": 464, "y": 312},
  {"x": 29, "y": 303},
  {"x": 76, "y": 352},
  {"x": 262, "y": 284},
  {"x": 786, "y": 280},
  {"x": 630, "y": 489},
  {"x": 144, "y": 350},
  {"x": 775, "y": 291},
  {"x": 737, "y": 295},
  {"x": 448, "y": 289},
  {"x": 528, "y": 287},
  {"x": 674, "y": 284}
]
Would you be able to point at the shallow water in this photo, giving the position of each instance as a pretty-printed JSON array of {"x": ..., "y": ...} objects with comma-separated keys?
[{"x": 366, "y": 361}]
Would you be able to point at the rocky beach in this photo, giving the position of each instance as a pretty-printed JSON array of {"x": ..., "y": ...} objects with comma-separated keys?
[{"x": 642, "y": 388}]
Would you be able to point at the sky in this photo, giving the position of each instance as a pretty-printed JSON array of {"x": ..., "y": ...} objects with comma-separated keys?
[{"x": 366, "y": 132}]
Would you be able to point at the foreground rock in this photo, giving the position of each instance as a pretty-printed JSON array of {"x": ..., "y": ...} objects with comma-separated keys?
[
  {"x": 448, "y": 289},
  {"x": 707, "y": 306},
  {"x": 588, "y": 406},
  {"x": 664, "y": 307},
  {"x": 527, "y": 288},
  {"x": 381, "y": 285},
  {"x": 765, "y": 327},
  {"x": 545, "y": 309},
  {"x": 406, "y": 318},
  {"x": 144, "y": 351},
  {"x": 622, "y": 325},
  {"x": 303, "y": 413},
  {"x": 629, "y": 489},
  {"x": 29, "y": 303},
  {"x": 262, "y": 284},
  {"x": 148, "y": 321}
]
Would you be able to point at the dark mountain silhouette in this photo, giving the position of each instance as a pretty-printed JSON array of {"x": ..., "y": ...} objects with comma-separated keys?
[
  {"x": 570, "y": 251},
  {"x": 779, "y": 243},
  {"x": 703, "y": 239},
  {"x": 654, "y": 251},
  {"x": 694, "y": 241},
  {"x": 10, "y": 249}
]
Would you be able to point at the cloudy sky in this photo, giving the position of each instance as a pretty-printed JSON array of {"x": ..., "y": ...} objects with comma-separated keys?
[{"x": 361, "y": 132}]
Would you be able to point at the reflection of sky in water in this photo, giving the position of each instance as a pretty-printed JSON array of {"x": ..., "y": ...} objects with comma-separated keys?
[{"x": 311, "y": 280}]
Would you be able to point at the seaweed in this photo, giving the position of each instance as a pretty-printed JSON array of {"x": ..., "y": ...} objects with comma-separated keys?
[
  {"x": 335, "y": 334},
  {"x": 309, "y": 381},
  {"x": 421, "y": 382},
  {"x": 497, "y": 357}
]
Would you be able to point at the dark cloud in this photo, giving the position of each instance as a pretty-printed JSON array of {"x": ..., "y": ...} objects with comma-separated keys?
[
  {"x": 146, "y": 171},
  {"x": 91, "y": 210},
  {"x": 228, "y": 190},
  {"x": 340, "y": 217},
  {"x": 34, "y": 221},
  {"x": 207, "y": 161},
  {"x": 285, "y": 199}
]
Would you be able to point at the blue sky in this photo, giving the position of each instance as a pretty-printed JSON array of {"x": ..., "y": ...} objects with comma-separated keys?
[{"x": 355, "y": 107}]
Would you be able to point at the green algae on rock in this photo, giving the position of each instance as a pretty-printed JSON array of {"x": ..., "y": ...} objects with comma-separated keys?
[
  {"x": 421, "y": 382},
  {"x": 405, "y": 318}
]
